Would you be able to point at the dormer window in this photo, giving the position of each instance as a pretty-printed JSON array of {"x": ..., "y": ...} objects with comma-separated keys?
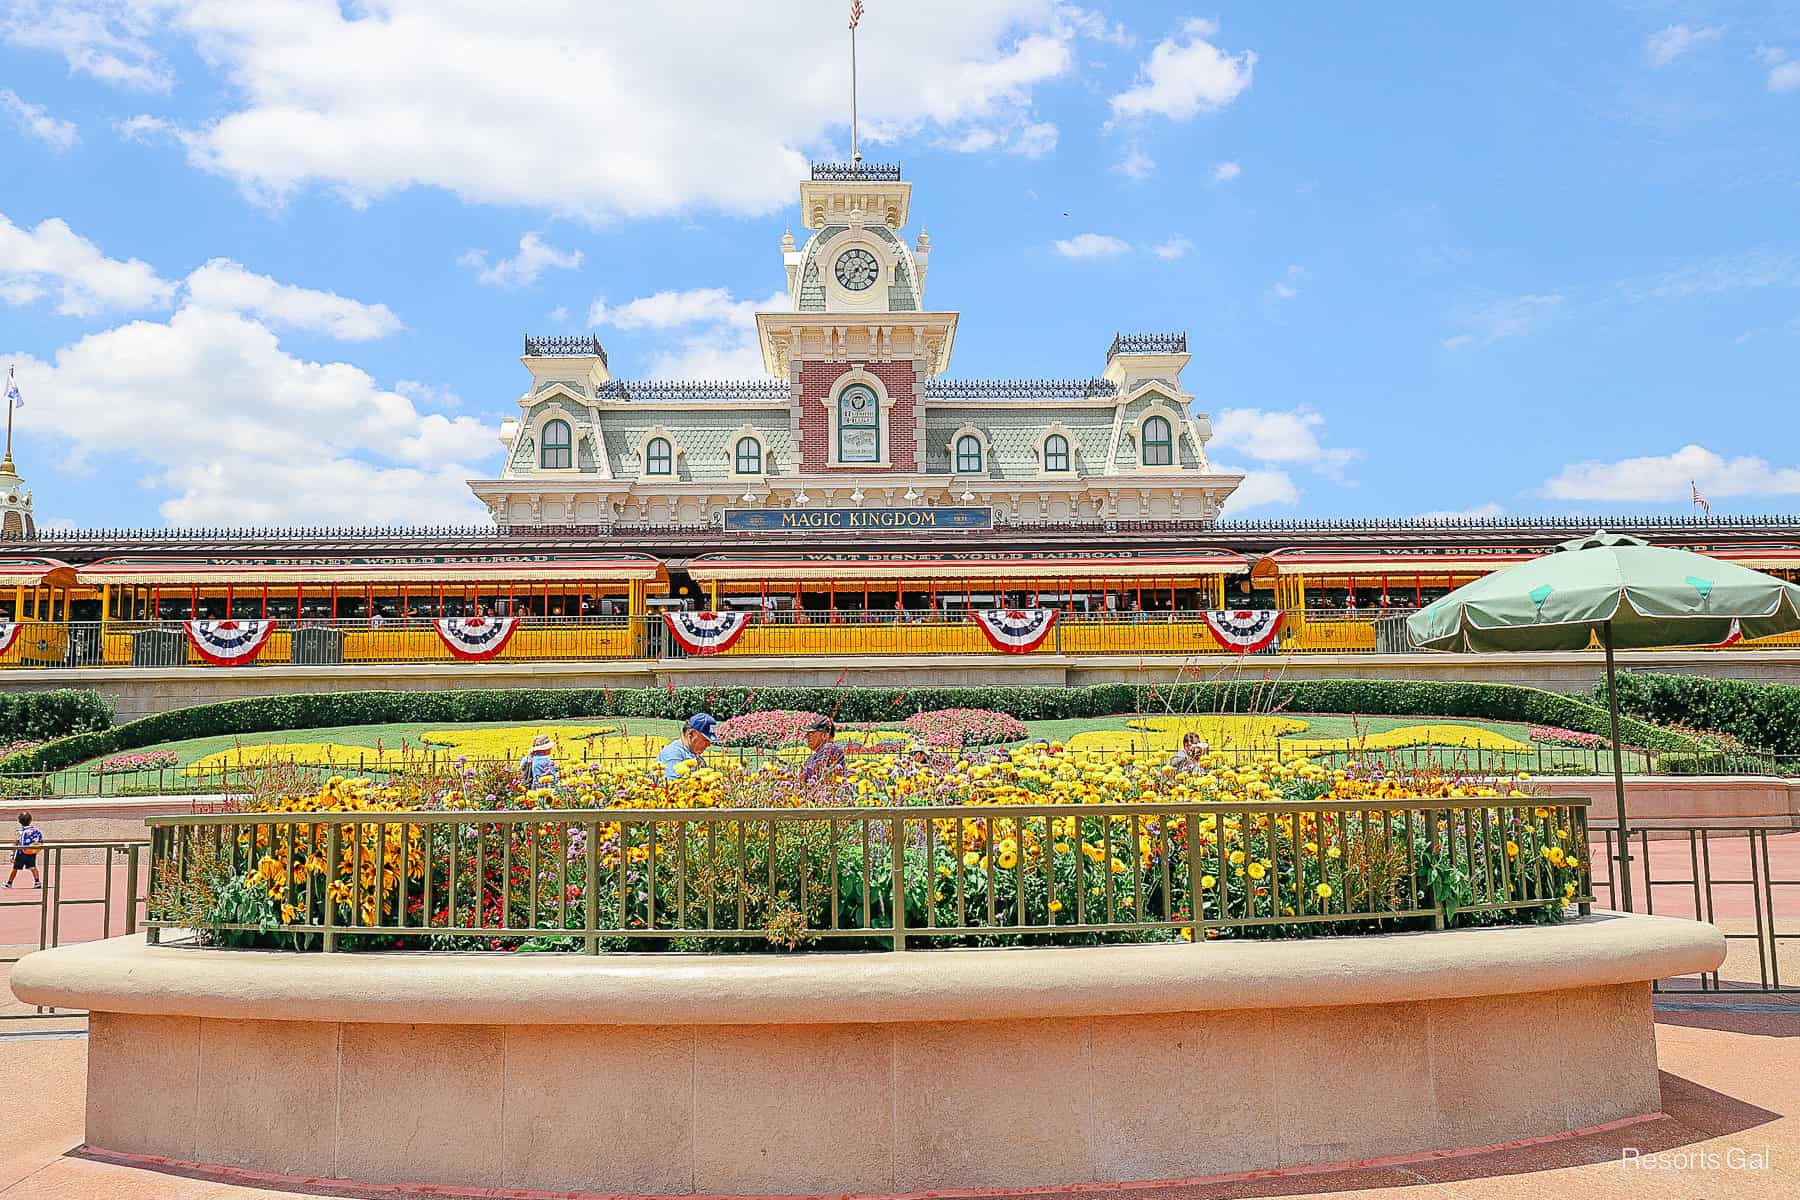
[
  {"x": 968, "y": 455},
  {"x": 1056, "y": 453},
  {"x": 1159, "y": 443},
  {"x": 659, "y": 457},
  {"x": 558, "y": 450},
  {"x": 749, "y": 456}
]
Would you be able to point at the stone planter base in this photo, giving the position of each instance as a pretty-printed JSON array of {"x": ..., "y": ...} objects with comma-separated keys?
[{"x": 866, "y": 1073}]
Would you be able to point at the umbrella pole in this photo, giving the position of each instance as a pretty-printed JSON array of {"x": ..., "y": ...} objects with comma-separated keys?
[{"x": 1612, "y": 704}]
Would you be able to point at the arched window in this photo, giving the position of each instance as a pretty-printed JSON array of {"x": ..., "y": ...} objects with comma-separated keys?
[
  {"x": 968, "y": 455},
  {"x": 1056, "y": 453},
  {"x": 558, "y": 449},
  {"x": 659, "y": 457},
  {"x": 859, "y": 425},
  {"x": 749, "y": 456},
  {"x": 1159, "y": 443}
]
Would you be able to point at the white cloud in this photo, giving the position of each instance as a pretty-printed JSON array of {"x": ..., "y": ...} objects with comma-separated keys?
[
  {"x": 106, "y": 40},
  {"x": 1784, "y": 71},
  {"x": 1726, "y": 273},
  {"x": 1175, "y": 247},
  {"x": 214, "y": 409},
  {"x": 1490, "y": 509},
  {"x": 340, "y": 95},
  {"x": 1091, "y": 245},
  {"x": 1261, "y": 486},
  {"x": 1288, "y": 286},
  {"x": 1289, "y": 436},
  {"x": 1665, "y": 478},
  {"x": 1135, "y": 164},
  {"x": 35, "y": 120},
  {"x": 559, "y": 314},
  {"x": 224, "y": 285},
  {"x": 1225, "y": 172},
  {"x": 53, "y": 257},
  {"x": 1514, "y": 316},
  {"x": 535, "y": 256},
  {"x": 1186, "y": 75},
  {"x": 715, "y": 332},
  {"x": 1670, "y": 43}
]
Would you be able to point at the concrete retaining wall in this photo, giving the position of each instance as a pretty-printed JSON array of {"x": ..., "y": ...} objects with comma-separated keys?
[{"x": 676, "y": 1074}]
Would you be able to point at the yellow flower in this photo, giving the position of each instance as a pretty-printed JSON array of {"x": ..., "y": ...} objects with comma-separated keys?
[
  {"x": 1237, "y": 857},
  {"x": 1323, "y": 891},
  {"x": 1207, "y": 881},
  {"x": 1334, "y": 852},
  {"x": 1512, "y": 848},
  {"x": 1256, "y": 870},
  {"x": 1056, "y": 906},
  {"x": 1007, "y": 860}
]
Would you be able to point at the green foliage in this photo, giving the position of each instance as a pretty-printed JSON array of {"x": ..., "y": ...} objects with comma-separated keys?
[
  {"x": 39, "y": 716},
  {"x": 1763, "y": 716},
  {"x": 1365, "y": 697}
]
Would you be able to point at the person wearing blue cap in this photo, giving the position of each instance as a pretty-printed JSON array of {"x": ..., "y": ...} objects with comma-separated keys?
[{"x": 695, "y": 737}]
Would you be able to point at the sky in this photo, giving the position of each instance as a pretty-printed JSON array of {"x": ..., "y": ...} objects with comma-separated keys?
[{"x": 272, "y": 263}]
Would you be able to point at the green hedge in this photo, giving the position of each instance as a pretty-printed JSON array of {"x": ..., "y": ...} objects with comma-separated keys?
[
  {"x": 1764, "y": 716},
  {"x": 1399, "y": 698},
  {"x": 40, "y": 716}
]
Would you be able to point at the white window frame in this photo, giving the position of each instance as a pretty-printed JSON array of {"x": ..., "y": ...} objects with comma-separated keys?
[{"x": 884, "y": 404}]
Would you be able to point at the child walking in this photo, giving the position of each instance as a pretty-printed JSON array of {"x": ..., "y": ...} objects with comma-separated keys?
[{"x": 25, "y": 852}]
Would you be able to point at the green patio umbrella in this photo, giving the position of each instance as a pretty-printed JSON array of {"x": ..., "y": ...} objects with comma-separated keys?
[{"x": 1621, "y": 590}]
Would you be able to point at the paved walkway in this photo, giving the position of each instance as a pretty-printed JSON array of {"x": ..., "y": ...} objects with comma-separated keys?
[{"x": 1731, "y": 1092}]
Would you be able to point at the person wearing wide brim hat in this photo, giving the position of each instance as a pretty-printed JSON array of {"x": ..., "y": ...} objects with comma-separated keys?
[
  {"x": 537, "y": 768},
  {"x": 695, "y": 738}
]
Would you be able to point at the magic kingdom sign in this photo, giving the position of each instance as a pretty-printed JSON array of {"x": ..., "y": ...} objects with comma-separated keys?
[{"x": 832, "y": 520}]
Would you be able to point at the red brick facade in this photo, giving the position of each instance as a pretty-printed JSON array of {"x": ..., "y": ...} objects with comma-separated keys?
[{"x": 816, "y": 382}]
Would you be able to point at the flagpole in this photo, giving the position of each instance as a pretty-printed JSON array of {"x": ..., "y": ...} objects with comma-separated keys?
[
  {"x": 10, "y": 405},
  {"x": 855, "y": 154}
]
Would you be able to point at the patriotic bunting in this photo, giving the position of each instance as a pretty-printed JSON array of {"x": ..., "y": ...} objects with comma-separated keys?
[
  {"x": 9, "y": 633},
  {"x": 228, "y": 643},
  {"x": 1015, "y": 630},
  {"x": 706, "y": 632},
  {"x": 475, "y": 638},
  {"x": 1245, "y": 630}
]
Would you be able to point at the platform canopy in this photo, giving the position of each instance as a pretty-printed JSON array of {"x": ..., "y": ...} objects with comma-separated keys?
[
  {"x": 1370, "y": 564},
  {"x": 983, "y": 565},
  {"x": 384, "y": 568},
  {"x": 35, "y": 572}
]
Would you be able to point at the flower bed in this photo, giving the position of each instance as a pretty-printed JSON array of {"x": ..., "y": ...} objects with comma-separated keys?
[
  {"x": 1551, "y": 736},
  {"x": 768, "y": 729},
  {"x": 956, "y": 728},
  {"x": 125, "y": 764},
  {"x": 1404, "y": 848}
]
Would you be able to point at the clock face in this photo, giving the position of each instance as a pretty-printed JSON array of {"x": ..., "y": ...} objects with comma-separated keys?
[{"x": 856, "y": 269}]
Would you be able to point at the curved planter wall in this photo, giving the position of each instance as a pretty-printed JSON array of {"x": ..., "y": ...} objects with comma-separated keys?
[{"x": 866, "y": 1073}]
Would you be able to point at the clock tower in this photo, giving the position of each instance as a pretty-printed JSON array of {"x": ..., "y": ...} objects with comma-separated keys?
[{"x": 858, "y": 344}]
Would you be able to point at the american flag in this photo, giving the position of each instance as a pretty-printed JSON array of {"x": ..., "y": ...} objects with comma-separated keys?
[
  {"x": 856, "y": 11},
  {"x": 1698, "y": 498}
]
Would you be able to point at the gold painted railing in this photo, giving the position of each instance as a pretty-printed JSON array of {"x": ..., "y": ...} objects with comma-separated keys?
[{"x": 598, "y": 880}]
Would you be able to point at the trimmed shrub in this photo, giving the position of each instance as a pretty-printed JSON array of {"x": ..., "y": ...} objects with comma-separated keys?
[
  {"x": 40, "y": 716},
  {"x": 877, "y": 706},
  {"x": 1763, "y": 716}
]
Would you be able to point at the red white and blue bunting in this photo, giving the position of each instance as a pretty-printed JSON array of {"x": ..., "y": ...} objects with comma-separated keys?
[
  {"x": 9, "y": 633},
  {"x": 228, "y": 643},
  {"x": 706, "y": 632},
  {"x": 475, "y": 638},
  {"x": 1244, "y": 630},
  {"x": 1015, "y": 630}
]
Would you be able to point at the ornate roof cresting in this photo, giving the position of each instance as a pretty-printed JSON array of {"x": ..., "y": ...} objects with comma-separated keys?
[
  {"x": 580, "y": 345},
  {"x": 1147, "y": 343}
]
